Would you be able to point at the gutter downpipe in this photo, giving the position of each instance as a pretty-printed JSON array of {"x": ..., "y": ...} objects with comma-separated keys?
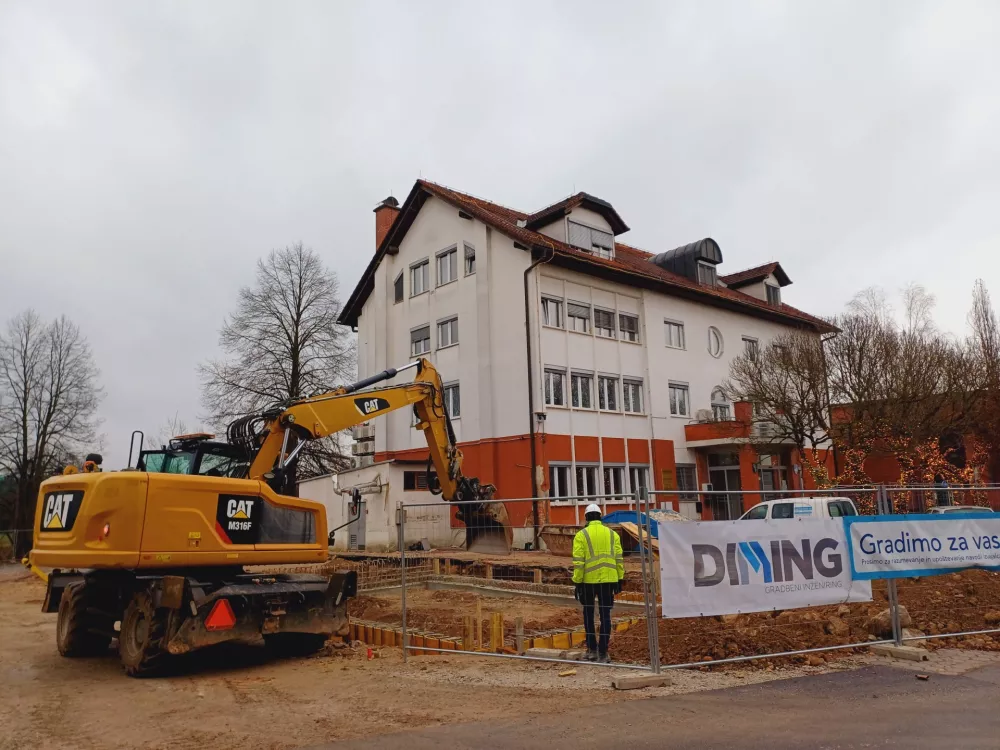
[{"x": 548, "y": 255}]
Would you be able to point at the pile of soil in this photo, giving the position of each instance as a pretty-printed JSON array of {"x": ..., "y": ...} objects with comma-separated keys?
[{"x": 956, "y": 602}]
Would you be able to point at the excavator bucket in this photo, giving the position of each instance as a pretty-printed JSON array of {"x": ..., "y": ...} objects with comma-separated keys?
[{"x": 487, "y": 529}]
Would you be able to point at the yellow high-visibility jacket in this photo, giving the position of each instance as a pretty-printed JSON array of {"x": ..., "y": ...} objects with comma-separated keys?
[{"x": 597, "y": 555}]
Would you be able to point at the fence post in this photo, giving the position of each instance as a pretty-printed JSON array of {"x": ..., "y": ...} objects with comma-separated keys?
[
  {"x": 649, "y": 603},
  {"x": 884, "y": 507},
  {"x": 400, "y": 523}
]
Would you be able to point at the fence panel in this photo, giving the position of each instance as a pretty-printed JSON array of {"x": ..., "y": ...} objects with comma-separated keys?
[{"x": 520, "y": 596}]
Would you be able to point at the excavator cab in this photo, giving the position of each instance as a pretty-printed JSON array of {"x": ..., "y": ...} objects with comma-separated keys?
[{"x": 197, "y": 454}]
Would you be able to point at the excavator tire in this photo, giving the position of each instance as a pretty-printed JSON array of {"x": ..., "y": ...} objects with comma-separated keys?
[
  {"x": 294, "y": 644},
  {"x": 143, "y": 637},
  {"x": 81, "y": 629}
]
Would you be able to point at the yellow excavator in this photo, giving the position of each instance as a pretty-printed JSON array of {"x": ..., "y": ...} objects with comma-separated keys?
[{"x": 161, "y": 548}]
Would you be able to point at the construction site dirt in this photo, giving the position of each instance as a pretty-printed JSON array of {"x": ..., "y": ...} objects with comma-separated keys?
[{"x": 238, "y": 695}]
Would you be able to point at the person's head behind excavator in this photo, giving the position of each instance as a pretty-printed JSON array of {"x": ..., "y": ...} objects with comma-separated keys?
[
  {"x": 93, "y": 463},
  {"x": 593, "y": 513}
]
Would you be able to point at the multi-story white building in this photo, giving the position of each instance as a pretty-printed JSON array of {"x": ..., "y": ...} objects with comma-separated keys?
[{"x": 564, "y": 349}]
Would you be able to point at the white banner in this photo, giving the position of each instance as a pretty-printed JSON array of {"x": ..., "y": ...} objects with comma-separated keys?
[
  {"x": 727, "y": 567},
  {"x": 922, "y": 545}
]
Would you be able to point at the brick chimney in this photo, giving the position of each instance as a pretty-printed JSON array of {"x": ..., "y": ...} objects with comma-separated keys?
[{"x": 385, "y": 213}]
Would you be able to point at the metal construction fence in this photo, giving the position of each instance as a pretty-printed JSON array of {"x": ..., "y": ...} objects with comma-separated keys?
[
  {"x": 14, "y": 544},
  {"x": 514, "y": 602}
]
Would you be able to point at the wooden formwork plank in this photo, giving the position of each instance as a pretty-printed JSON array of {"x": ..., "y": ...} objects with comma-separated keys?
[
  {"x": 468, "y": 633},
  {"x": 416, "y": 640},
  {"x": 378, "y": 638},
  {"x": 577, "y": 637},
  {"x": 561, "y": 640},
  {"x": 519, "y": 635},
  {"x": 496, "y": 632}
]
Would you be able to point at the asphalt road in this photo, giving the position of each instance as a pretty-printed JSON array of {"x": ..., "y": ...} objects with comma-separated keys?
[{"x": 875, "y": 707}]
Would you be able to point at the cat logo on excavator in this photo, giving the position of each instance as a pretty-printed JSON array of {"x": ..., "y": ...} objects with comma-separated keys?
[{"x": 59, "y": 511}]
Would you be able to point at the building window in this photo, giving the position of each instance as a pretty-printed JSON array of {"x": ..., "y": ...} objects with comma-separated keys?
[
  {"x": 559, "y": 486},
  {"x": 716, "y": 345},
  {"x": 581, "y": 387},
  {"x": 414, "y": 480},
  {"x": 773, "y": 295},
  {"x": 632, "y": 395},
  {"x": 720, "y": 406},
  {"x": 675, "y": 334},
  {"x": 638, "y": 478},
  {"x": 447, "y": 333},
  {"x": 555, "y": 388},
  {"x": 614, "y": 480},
  {"x": 586, "y": 481},
  {"x": 470, "y": 259},
  {"x": 751, "y": 347},
  {"x": 420, "y": 341},
  {"x": 607, "y": 393},
  {"x": 552, "y": 312},
  {"x": 579, "y": 317},
  {"x": 706, "y": 274},
  {"x": 452, "y": 400},
  {"x": 397, "y": 288},
  {"x": 687, "y": 482},
  {"x": 604, "y": 323},
  {"x": 593, "y": 241},
  {"x": 420, "y": 277},
  {"x": 447, "y": 266},
  {"x": 629, "y": 326},
  {"x": 680, "y": 405}
]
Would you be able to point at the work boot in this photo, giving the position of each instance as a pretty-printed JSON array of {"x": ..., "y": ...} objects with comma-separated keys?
[
  {"x": 590, "y": 656},
  {"x": 604, "y": 659}
]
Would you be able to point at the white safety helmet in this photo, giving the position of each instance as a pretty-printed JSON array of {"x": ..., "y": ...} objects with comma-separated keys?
[{"x": 592, "y": 508}]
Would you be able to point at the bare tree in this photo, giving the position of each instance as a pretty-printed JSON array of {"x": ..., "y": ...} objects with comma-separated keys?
[
  {"x": 49, "y": 392},
  {"x": 984, "y": 351},
  {"x": 282, "y": 343},
  {"x": 171, "y": 428}
]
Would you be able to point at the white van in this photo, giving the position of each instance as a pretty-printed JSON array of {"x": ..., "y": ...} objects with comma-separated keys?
[{"x": 802, "y": 507}]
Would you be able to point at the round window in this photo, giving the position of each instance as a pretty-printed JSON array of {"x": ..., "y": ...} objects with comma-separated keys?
[{"x": 715, "y": 343}]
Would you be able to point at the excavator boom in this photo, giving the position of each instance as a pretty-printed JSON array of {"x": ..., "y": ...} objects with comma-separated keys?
[{"x": 315, "y": 417}]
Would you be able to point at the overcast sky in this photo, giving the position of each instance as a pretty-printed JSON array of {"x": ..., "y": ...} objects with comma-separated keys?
[{"x": 150, "y": 152}]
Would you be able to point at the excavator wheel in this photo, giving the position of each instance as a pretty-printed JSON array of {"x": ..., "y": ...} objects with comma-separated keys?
[
  {"x": 294, "y": 644},
  {"x": 82, "y": 630},
  {"x": 143, "y": 638}
]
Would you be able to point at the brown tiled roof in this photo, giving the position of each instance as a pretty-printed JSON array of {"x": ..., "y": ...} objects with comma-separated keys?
[
  {"x": 540, "y": 218},
  {"x": 630, "y": 264},
  {"x": 741, "y": 278}
]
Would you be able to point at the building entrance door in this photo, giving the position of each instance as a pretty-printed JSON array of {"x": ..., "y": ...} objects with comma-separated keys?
[{"x": 724, "y": 474}]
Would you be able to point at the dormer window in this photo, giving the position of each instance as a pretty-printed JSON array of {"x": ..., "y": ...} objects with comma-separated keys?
[
  {"x": 601, "y": 244},
  {"x": 706, "y": 274},
  {"x": 773, "y": 295}
]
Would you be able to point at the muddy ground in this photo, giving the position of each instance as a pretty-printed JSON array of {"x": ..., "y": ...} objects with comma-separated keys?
[{"x": 236, "y": 696}]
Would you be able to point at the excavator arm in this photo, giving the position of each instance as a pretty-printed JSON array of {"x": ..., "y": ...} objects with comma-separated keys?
[{"x": 286, "y": 431}]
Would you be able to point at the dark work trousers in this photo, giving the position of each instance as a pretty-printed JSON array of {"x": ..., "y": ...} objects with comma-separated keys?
[{"x": 604, "y": 593}]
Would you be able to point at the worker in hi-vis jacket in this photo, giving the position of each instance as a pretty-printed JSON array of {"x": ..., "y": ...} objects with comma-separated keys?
[{"x": 598, "y": 571}]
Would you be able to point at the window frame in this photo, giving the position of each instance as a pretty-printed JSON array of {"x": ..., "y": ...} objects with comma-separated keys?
[
  {"x": 711, "y": 271},
  {"x": 582, "y": 375},
  {"x": 763, "y": 517},
  {"x": 751, "y": 347},
  {"x": 547, "y": 375},
  {"x": 586, "y": 468},
  {"x": 453, "y": 387},
  {"x": 558, "y": 303},
  {"x": 637, "y": 384},
  {"x": 679, "y": 325},
  {"x": 637, "y": 470},
  {"x": 610, "y": 471},
  {"x": 425, "y": 263},
  {"x": 773, "y": 294},
  {"x": 446, "y": 322},
  {"x": 611, "y": 332},
  {"x": 415, "y": 477},
  {"x": 714, "y": 330},
  {"x": 588, "y": 329},
  {"x": 626, "y": 333},
  {"x": 448, "y": 253},
  {"x": 567, "y": 490},
  {"x": 720, "y": 406},
  {"x": 413, "y": 352},
  {"x": 602, "y": 393},
  {"x": 596, "y": 249},
  {"x": 684, "y": 493},
  {"x": 775, "y": 506},
  {"x": 470, "y": 268},
  {"x": 398, "y": 285},
  {"x": 673, "y": 385}
]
